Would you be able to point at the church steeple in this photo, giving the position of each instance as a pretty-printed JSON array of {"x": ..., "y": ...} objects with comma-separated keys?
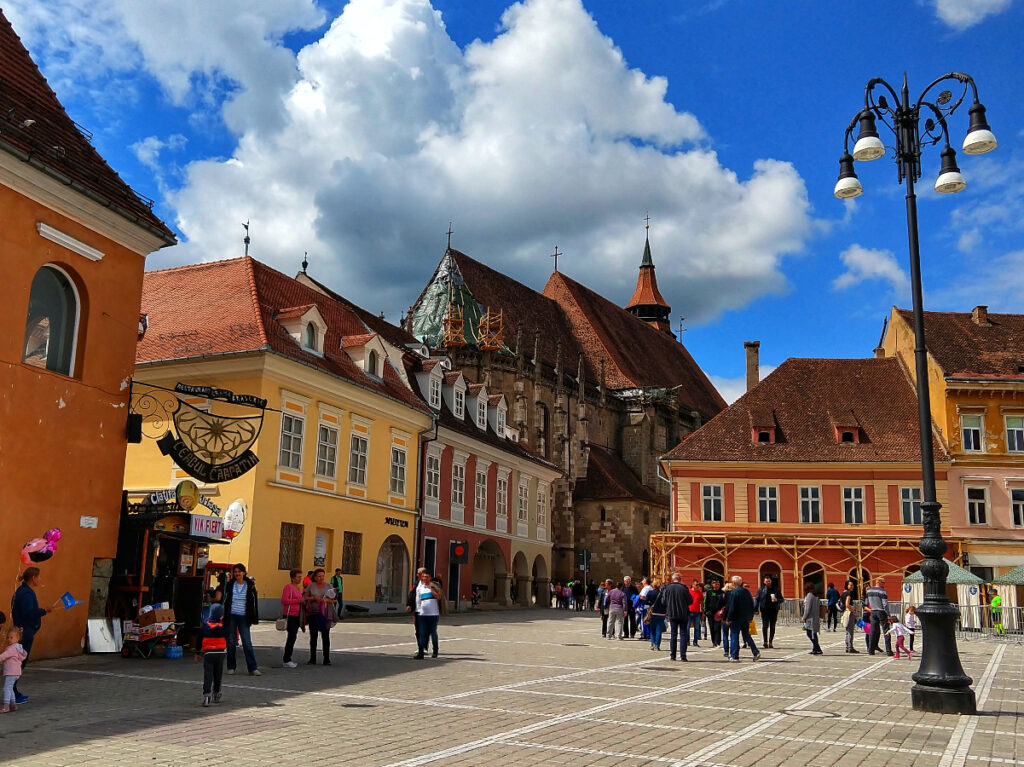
[{"x": 647, "y": 303}]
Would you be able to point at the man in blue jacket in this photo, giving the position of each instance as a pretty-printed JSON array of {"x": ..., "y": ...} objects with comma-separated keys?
[
  {"x": 677, "y": 600},
  {"x": 739, "y": 611}
]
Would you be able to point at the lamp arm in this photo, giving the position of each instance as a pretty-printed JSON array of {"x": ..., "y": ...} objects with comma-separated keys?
[
  {"x": 960, "y": 77},
  {"x": 870, "y": 103},
  {"x": 929, "y": 129}
]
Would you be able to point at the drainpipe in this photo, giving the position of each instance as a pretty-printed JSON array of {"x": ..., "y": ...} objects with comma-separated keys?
[{"x": 421, "y": 468}]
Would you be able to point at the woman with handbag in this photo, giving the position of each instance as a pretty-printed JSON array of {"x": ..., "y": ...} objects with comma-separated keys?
[
  {"x": 848, "y": 617},
  {"x": 291, "y": 603},
  {"x": 320, "y": 597},
  {"x": 429, "y": 606}
]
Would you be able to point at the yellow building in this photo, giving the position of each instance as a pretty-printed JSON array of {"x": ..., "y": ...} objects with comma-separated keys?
[
  {"x": 976, "y": 381},
  {"x": 339, "y": 442}
]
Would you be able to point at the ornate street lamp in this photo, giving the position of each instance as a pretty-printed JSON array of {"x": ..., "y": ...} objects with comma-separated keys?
[{"x": 941, "y": 684}]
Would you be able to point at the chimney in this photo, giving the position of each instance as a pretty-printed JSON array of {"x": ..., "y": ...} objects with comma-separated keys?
[
  {"x": 753, "y": 375},
  {"x": 979, "y": 315}
]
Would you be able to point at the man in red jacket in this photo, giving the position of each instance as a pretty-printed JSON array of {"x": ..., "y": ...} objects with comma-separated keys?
[{"x": 696, "y": 608}]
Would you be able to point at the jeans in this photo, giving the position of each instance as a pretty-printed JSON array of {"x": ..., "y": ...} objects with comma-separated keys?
[
  {"x": 657, "y": 626},
  {"x": 427, "y": 632},
  {"x": 833, "y": 617},
  {"x": 715, "y": 627},
  {"x": 813, "y": 636},
  {"x": 9, "y": 682},
  {"x": 768, "y": 620},
  {"x": 604, "y": 623},
  {"x": 737, "y": 629},
  {"x": 629, "y": 623},
  {"x": 901, "y": 646},
  {"x": 850, "y": 628},
  {"x": 615, "y": 622},
  {"x": 694, "y": 626},
  {"x": 677, "y": 634},
  {"x": 912, "y": 632},
  {"x": 293, "y": 632},
  {"x": 213, "y": 671},
  {"x": 237, "y": 626},
  {"x": 645, "y": 630},
  {"x": 27, "y": 638},
  {"x": 725, "y": 639},
  {"x": 318, "y": 628},
  {"x": 879, "y": 623}
]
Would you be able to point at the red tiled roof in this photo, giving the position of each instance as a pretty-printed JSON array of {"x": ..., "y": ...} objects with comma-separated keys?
[
  {"x": 474, "y": 389},
  {"x": 647, "y": 293},
  {"x": 806, "y": 398},
  {"x": 609, "y": 478},
  {"x": 427, "y": 365},
  {"x": 361, "y": 339},
  {"x": 293, "y": 312},
  {"x": 495, "y": 399},
  {"x": 963, "y": 348},
  {"x": 452, "y": 376},
  {"x": 233, "y": 310},
  {"x": 637, "y": 354},
  {"x": 53, "y": 141}
]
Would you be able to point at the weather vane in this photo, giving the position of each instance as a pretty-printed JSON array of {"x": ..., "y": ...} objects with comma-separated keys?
[
  {"x": 305, "y": 260},
  {"x": 246, "y": 239}
]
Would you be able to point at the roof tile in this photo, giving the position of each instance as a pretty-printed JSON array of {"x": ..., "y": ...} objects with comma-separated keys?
[{"x": 963, "y": 348}]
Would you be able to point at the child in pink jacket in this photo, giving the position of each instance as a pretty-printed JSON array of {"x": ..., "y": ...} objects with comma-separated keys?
[{"x": 11, "y": 658}]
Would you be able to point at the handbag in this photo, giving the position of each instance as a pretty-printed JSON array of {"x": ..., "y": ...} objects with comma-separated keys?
[
  {"x": 752, "y": 629},
  {"x": 647, "y": 617},
  {"x": 281, "y": 624},
  {"x": 845, "y": 618},
  {"x": 720, "y": 614}
]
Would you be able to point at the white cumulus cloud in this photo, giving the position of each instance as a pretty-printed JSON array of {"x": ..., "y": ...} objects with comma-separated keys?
[
  {"x": 866, "y": 264},
  {"x": 961, "y": 14}
]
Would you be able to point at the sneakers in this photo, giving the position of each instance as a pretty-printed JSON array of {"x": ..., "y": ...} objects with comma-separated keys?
[
  {"x": 230, "y": 671},
  {"x": 418, "y": 656},
  {"x": 216, "y": 697},
  {"x": 290, "y": 664},
  {"x": 255, "y": 672},
  {"x": 206, "y": 701},
  {"x": 19, "y": 699},
  {"x": 757, "y": 657},
  {"x": 433, "y": 654}
]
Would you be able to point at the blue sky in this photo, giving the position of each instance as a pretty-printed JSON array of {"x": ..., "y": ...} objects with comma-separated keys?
[{"x": 356, "y": 131}]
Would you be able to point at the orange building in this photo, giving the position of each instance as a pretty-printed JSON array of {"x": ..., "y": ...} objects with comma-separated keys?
[
  {"x": 74, "y": 238},
  {"x": 976, "y": 380},
  {"x": 813, "y": 475}
]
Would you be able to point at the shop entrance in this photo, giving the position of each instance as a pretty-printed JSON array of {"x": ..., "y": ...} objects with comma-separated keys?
[{"x": 392, "y": 578}]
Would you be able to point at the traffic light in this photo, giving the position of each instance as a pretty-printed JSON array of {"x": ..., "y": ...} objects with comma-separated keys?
[
  {"x": 583, "y": 558},
  {"x": 458, "y": 553}
]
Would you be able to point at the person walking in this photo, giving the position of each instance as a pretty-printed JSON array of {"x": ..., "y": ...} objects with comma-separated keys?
[
  {"x": 767, "y": 603},
  {"x": 832, "y": 603},
  {"x": 720, "y": 615},
  {"x": 630, "y": 617},
  {"x": 320, "y": 598},
  {"x": 291, "y": 606},
  {"x": 677, "y": 599},
  {"x": 642, "y": 605},
  {"x": 241, "y": 611},
  {"x": 428, "y": 613},
  {"x": 602, "y": 597},
  {"x": 849, "y": 615},
  {"x": 997, "y": 612},
  {"x": 27, "y": 615},
  {"x": 739, "y": 612},
  {"x": 812, "y": 617},
  {"x": 211, "y": 650},
  {"x": 910, "y": 621},
  {"x": 877, "y": 601},
  {"x": 338, "y": 584},
  {"x": 696, "y": 610},
  {"x": 713, "y": 600},
  {"x": 901, "y": 632},
  {"x": 617, "y": 612},
  {"x": 656, "y": 609},
  {"x": 591, "y": 594}
]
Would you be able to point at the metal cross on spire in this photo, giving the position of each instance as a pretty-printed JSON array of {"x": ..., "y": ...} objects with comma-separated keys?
[
  {"x": 647, "y": 221},
  {"x": 246, "y": 239},
  {"x": 450, "y": 235},
  {"x": 555, "y": 256}
]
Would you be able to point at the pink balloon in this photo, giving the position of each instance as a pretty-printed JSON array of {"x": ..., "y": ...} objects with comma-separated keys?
[{"x": 41, "y": 549}]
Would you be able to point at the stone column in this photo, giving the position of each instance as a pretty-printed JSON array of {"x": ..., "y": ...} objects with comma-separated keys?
[
  {"x": 523, "y": 589},
  {"x": 543, "y": 592},
  {"x": 502, "y": 582}
]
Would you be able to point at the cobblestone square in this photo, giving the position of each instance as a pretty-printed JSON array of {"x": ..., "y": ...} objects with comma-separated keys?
[{"x": 513, "y": 688}]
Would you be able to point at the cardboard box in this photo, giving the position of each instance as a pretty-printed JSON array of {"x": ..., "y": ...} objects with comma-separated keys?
[{"x": 156, "y": 616}]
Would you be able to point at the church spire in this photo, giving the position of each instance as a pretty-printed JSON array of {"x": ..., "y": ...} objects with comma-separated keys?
[{"x": 647, "y": 303}]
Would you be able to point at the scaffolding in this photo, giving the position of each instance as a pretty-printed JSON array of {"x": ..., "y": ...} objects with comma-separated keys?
[
  {"x": 670, "y": 552},
  {"x": 490, "y": 330},
  {"x": 453, "y": 328}
]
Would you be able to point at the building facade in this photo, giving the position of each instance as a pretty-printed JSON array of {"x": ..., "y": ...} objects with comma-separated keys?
[
  {"x": 74, "y": 239},
  {"x": 577, "y": 372},
  {"x": 338, "y": 446},
  {"x": 976, "y": 382},
  {"x": 813, "y": 475},
  {"x": 482, "y": 489}
]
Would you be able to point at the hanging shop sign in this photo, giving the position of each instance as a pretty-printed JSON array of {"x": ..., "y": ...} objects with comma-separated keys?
[
  {"x": 208, "y": 446},
  {"x": 165, "y": 497},
  {"x": 207, "y": 527}
]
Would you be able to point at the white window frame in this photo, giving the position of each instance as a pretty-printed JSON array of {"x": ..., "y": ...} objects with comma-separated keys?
[
  {"x": 712, "y": 503},
  {"x": 501, "y": 423},
  {"x": 910, "y": 505},
  {"x": 291, "y": 450},
  {"x": 523, "y": 507},
  {"x": 542, "y": 510},
  {"x": 435, "y": 393},
  {"x": 501, "y": 496},
  {"x": 767, "y": 504},
  {"x": 1014, "y": 435},
  {"x": 480, "y": 497},
  {"x": 853, "y": 505},
  {"x": 396, "y": 482},
  {"x": 459, "y": 400},
  {"x": 811, "y": 496},
  {"x": 432, "y": 485},
  {"x": 971, "y": 507},
  {"x": 358, "y": 461},
  {"x": 980, "y": 429},
  {"x": 481, "y": 413},
  {"x": 1016, "y": 506},
  {"x": 326, "y": 452},
  {"x": 459, "y": 484},
  {"x": 76, "y": 323}
]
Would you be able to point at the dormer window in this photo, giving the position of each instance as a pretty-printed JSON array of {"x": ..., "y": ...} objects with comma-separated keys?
[
  {"x": 435, "y": 393},
  {"x": 311, "y": 337},
  {"x": 371, "y": 363},
  {"x": 847, "y": 435},
  {"x": 306, "y": 326},
  {"x": 501, "y": 423},
  {"x": 481, "y": 414},
  {"x": 764, "y": 436},
  {"x": 460, "y": 403}
]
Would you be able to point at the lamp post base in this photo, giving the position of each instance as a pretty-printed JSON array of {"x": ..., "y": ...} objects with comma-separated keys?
[{"x": 943, "y": 700}]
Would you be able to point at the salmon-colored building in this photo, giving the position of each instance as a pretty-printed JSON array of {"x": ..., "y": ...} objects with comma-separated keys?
[
  {"x": 74, "y": 238},
  {"x": 813, "y": 475}
]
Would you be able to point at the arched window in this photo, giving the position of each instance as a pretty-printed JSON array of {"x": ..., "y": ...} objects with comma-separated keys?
[
  {"x": 51, "y": 328},
  {"x": 311, "y": 337},
  {"x": 604, "y": 515},
  {"x": 371, "y": 363}
]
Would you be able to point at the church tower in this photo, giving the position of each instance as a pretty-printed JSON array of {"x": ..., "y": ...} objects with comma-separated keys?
[{"x": 647, "y": 303}]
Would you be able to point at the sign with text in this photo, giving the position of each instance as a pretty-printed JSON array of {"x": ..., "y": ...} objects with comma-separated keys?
[{"x": 207, "y": 527}]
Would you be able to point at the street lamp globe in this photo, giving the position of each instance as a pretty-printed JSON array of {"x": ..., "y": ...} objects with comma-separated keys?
[
  {"x": 949, "y": 180},
  {"x": 868, "y": 146},
  {"x": 980, "y": 138},
  {"x": 848, "y": 186}
]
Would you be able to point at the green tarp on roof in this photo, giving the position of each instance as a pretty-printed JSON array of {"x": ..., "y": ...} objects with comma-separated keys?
[
  {"x": 957, "y": 576},
  {"x": 1013, "y": 578}
]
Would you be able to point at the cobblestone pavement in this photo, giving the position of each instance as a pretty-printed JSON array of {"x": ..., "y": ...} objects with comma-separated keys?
[{"x": 516, "y": 688}]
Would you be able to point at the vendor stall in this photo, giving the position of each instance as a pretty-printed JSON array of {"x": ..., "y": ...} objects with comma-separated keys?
[{"x": 963, "y": 588}]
